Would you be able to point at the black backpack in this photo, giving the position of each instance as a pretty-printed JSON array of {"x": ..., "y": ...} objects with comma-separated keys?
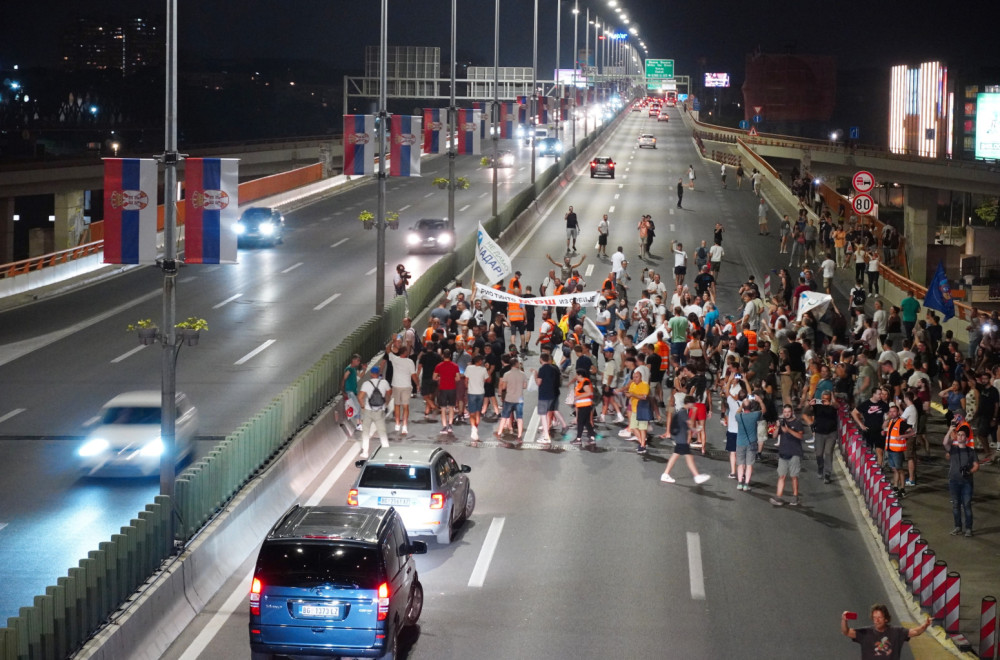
[
  {"x": 377, "y": 399},
  {"x": 557, "y": 333},
  {"x": 858, "y": 296}
]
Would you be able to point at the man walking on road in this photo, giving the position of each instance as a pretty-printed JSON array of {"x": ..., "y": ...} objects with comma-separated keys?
[
  {"x": 446, "y": 375},
  {"x": 572, "y": 229},
  {"x": 373, "y": 396},
  {"x": 824, "y": 423},
  {"x": 762, "y": 229},
  {"x": 679, "y": 431},
  {"x": 404, "y": 372},
  {"x": 680, "y": 192},
  {"x": 789, "y": 456}
]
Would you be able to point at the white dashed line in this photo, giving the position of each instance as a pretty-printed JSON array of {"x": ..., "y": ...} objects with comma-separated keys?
[
  {"x": 589, "y": 271},
  {"x": 483, "y": 195},
  {"x": 611, "y": 210},
  {"x": 672, "y": 228},
  {"x": 126, "y": 355},
  {"x": 12, "y": 413},
  {"x": 230, "y": 299},
  {"x": 254, "y": 352},
  {"x": 291, "y": 268},
  {"x": 620, "y": 186},
  {"x": 326, "y": 302},
  {"x": 371, "y": 272},
  {"x": 617, "y": 195},
  {"x": 428, "y": 195},
  {"x": 695, "y": 570},
  {"x": 340, "y": 242},
  {"x": 478, "y": 577},
  {"x": 403, "y": 208},
  {"x": 462, "y": 210}
]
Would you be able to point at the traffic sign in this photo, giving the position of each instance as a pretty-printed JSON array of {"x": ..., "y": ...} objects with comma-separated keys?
[
  {"x": 863, "y": 181},
  {"x": 757, "y": 119},
  {"x": 744, "y": 124},
  {"x": 757, "y": 109},
  {"x": 863, "y": 204},
  {"x": 753, "y": 131},
  {"x": 855, "y": 133},
  {"x": 659, "y": 68}
]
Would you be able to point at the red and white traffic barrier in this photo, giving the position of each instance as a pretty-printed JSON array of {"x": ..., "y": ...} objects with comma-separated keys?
[
  {"x": 926, "y": 591},
  {"x": 988, "y": 629},
  {"x": 916, "y": 549},
  {"x": 895, "y": 524},
  {"x": 952, "y": 599},
  {"x": 937, "y": 586},
  {"x": 908, "y": 543},
  {"x": 916, "y": 563},
  {"x": 904, "y": 540}
]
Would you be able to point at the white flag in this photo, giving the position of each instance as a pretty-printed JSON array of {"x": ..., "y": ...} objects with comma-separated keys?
[
  {"x": 492, "y": 259},
  {"x": 811, "y": 301}
]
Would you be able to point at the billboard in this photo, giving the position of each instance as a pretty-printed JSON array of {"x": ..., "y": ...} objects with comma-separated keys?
[
  {"x": 988, "y": 126},
  {"x": 716, "y": 80},
  {"x": 569, "y": 77},
  {"x": 659, "y": 69}
]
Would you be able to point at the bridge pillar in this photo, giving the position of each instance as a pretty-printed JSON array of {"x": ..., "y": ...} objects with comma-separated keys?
[
  {"x": 69, "y": 219},
  {"x": 919, "y": 213},
  {"x": 6, "y": 230}
]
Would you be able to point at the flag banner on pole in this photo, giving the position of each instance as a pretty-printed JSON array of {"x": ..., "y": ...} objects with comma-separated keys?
[
  {"x": 506, "y": 120},
  {"x": 543, "y": 110},
  {"x": 811, "y": 301},
  {"x": 130, "y": 202},
  {"x": 359, "y": 144},
  {"x": 563, "y": 109},
  {"x": 469, "y": 137},
  {"x": 477, "y": 105},
  {"x": 433, "y": 128},
  {"x": 939, "y": 294},
  {"x": 404, "y": 152},
  {"x": 211, "y": 210},
  {"x": 491, "y": 257},
  {"x": 586, "y": 299},
  {"x": 522, "y": 109}
]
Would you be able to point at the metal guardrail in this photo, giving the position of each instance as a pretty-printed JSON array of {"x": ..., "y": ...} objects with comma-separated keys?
[
  {"x": 54, "y": 259},
  {"x": 66, "y": 616}
]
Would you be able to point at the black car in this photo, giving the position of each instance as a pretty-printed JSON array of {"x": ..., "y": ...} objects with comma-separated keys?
[
  {"x": 261, "y": 225},
  {"x": 334, "y": 581},
  {"x": 430, "y": 235},
  {"x": 550, "y": 146}
]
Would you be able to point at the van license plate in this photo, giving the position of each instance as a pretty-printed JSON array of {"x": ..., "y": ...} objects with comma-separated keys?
[
  {"x": 321, "y": 611},
  {"x": 394, "y": 501}
]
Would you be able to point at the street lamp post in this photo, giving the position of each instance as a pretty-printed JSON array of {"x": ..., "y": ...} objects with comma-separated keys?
[
  {"x": 576, "y": 64},
  {"x": 533, "y": 104},
  {"x": 496, "y": 99},
  {"x": 452, "y": 126},
  {"x": 383, "y": 75},
  {"x": 559, "y": 87}
]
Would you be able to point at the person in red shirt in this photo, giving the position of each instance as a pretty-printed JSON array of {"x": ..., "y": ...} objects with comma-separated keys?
[
  {"x": 799, "y": 290},
  {"x": 446, "y": 376}
]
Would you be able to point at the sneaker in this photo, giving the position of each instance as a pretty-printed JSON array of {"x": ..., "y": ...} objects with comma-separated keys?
[
  {"x": 444, "y": 430},
  {"x": 544, "y": 440},
  {"x": 746, "y": 488},
  {"x": 364, "y": 457},
  {"x": 450, "y": 430},
  {"x": 359, "y": 427},
  {"x": 601, "y": 418},
  {"x": 624, "y": 433},
  {"x": 760, "y": 456},
  {"x": 827, "y": 479},
  {"x": 405, "y": 431},
  {"x": 910, "y": 483},
  {"x": 776, "y": 501},
  {"x": 640, "y": 450},
  {"x": 794, "y": 501},
  {"x": 619, "y": 419},
  {"x": 968, "y": 533},
  {"x": 667, "y": 478},
  {"x": 701, "y": 478},
  {"x": 739, "y": 486},
  {"x": 576, "y": 441},
  {"x": 956, "y": 531},
  {"x": 732, "y": 475},
  {"x": 397, "y": 427},
  {"x": 475, "y": 433}
]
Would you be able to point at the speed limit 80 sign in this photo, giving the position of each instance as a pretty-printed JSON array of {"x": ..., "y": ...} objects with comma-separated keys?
[{"x": 863, "y": 204}]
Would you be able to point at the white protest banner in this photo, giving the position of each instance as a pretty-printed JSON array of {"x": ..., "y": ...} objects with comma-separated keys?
[
  {"x": 586, "y": 299},
  {"x": 492, "y": 259},
  {"x": 811, "y": 301},
  {"x": 652, "y": 338}
]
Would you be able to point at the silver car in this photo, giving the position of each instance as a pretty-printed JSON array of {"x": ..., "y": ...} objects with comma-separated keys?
[
  {"x": 426, "y": 485},
  {"x": 647, "y": 140}
]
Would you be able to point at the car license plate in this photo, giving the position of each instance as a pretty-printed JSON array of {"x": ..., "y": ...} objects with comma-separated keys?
[
  {"x": 321, "y": 611},
  {"x": 394, "y": 501}
]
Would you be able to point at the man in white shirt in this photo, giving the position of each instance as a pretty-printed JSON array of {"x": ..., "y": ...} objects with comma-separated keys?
[
  {"x": 889, "y": 355},
  {"x": 372, "y": 415},
  {"x": 715, "y": 254},
  {"x": 602, "y": 236},
  {"x": 880, "y": 320},
  {"x": 655, "y": 285},
  {"x": 659, "y": 311},
  {"x": 680, "y": 262},
  {"x": 616, "y": 261},
  {"x": 475, "y": 389},
  {"x": 829, "y": 267},
  {"x": 404, "y": 373}
]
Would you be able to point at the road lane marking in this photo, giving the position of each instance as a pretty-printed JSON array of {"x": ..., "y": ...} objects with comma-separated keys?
[
  {"x": 371, "y": 272},
  {"x": 236, "y": 600},
  {"x": 326, "y": 302},
  {"x": 483, "y": 195},
  {"x": 227, "y": 301},
  {"x": 403, "y": 208},
  {"x": 695, "y": 570},
  {"x": 620, "y": 186},
  {"x": 617, "y": 195},
  {"x": 291, "y": 268},
  {"x": 124, "y": 356},
  {"x": 589, "y": 271},
  {"x": 612, "y": 209},
  {"x": 428, "y": 195},
  {"x": 671, "y": 211},
  {"x": 12, "y": 413},
  {"x": 340, "y": 242},
  {"x": 478, "y": 577},
  {"x": 2, "y": 525},
  {"x": 462, "y": 210},
  {"x": 672, "y": 227},
  {"x": 254, "y": 352}
]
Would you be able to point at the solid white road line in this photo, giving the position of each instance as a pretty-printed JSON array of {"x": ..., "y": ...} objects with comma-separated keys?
[
  {"x": 695, "y": 570},
  {"x": 229, "y": 300},
  {"x": 254, "y": 352},
  {"x": 403, "y": 208},
  {"x": 371, "y": 272},
  {"x": 291, "y": 268},
  {"x": 123, "y": 356},
  {"x": 462, "y": 210},
  {"x": 340, "y": 242},
  {"x": 478, "y": 577},
  {"x": 12, "y": 413},
  {"x": 236, "y": 599},
  {"x": 326, "y": 302},
  {"x": 589, "y": 271}
]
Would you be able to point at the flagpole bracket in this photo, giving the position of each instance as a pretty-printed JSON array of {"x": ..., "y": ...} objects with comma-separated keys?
[{"x": 168, "y": 266}]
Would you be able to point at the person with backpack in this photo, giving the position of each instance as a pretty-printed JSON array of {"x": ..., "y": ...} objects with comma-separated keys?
[
  {"x": 858, "y": 296},
  {"x": 373, "y": 396}
]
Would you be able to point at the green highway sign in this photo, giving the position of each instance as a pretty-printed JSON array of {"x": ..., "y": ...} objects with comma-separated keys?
[{"x": 659, "y": 68}]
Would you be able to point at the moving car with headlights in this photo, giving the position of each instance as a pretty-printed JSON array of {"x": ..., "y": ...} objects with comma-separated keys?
[
  {"x": 126, "y": 439},
  {"x": 647, "y": 140},
  {"x": 663, "y": 116},
  {"x": 334, "y": 581},
  {"x": 426, "y": 486},
  {"x": 260, "y": 225},
  {"x": 602, "y": 166},
  {"x": 550, "y": 147},
  {"x": 503, "y": 158},
  {"x": 430, "y": 235}
]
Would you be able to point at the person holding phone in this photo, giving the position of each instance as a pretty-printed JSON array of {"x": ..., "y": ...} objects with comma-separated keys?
[{"x": 880, "y": 640}]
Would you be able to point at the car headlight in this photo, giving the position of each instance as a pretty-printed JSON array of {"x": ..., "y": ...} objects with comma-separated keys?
[
  {"x": 93, "y": 447},
  {"x": 240, "y": 228},
  {"x": 507, "y": 160},
  {"x": 267, "y": 228},
  {"x": 444, "y": 238},
  {"x": 154, "y": 448},
  {"x": 412, "y": 239}
]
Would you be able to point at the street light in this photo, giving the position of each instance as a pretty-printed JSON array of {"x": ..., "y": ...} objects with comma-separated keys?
[
  {"x": 114, "y": 148},
  {"x": 576, "y": 63},
  {"x": 533, "y": 102}
]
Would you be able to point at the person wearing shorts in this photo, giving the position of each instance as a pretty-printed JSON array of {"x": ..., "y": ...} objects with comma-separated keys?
[
  {"x": 446, "y": 376},
  {"x": 746, "y": 442},
  {"x": 791, "y": 431},
  {"x": 572, "y": 229},
  {"x": 679, "y": 431}
]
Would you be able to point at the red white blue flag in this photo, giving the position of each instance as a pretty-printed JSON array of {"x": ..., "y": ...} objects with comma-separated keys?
[
  {"x": 130, "y": 211},
  {"x": 211, "y": 201},
  {"x": 359, "y": 144},
  {"x": 564, "y": 108},
  {"x": 434, "y": 120},
  {"x": 404, "y": 147},
  {"x": 522, "y": 109},
  {"x": 469, "y": 131},
  {"x": 506, "y": 120},
  {"x": 543, "y": 110}
]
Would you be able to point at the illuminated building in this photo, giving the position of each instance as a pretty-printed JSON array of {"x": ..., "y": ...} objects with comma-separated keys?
[{"x": 921, "y": 108}]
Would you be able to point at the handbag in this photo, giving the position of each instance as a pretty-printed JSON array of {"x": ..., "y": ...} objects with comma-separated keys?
[{"x": 643, "y": 411}]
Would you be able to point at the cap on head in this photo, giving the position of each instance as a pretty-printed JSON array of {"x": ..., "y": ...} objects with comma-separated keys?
[{"x": 375, "y": 371}]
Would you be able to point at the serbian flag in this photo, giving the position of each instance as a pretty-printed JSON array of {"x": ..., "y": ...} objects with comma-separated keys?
[
  {"x": 563, "y": 109},
  {"x": 211, "y": 201},
  {"x": 433, "y": 126},
  {"x": 522, "y": 109},
  {"x": 506, "y": 120},
  {"x": 543, "y": 110},
  {"x": 469, "y": 137},
  {"x": 359, "y": 144},
  {"x": 404, "y": 149},
  {"x": 130, "y": 210}
]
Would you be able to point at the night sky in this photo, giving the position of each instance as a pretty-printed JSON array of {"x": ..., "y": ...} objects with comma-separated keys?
[{"x": 720, "y": 31}]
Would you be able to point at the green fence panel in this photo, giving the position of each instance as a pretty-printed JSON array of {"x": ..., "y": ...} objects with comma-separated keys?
[
  {"x": 107, "y": 554},
  {"x": 45, "y": 615},
  {"x": 126, "y": 565},
  {"x": 59, "y": 632},
  {"x": 142, "y": 540},
  {"x": 102, "y": 595},
  {"x": 76, "y": 598},
  {"x": 91, "y": 602},
  {"x": 19, "y": 625}
]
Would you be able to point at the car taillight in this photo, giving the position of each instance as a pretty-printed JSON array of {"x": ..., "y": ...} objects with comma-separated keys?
[
  {"x": 255, "y": 589},
  {"x": 611, "y": 165},
  {"x": 593, "y": 164},
  {"x": 437, "y": 500},
  {"x": 383, "y": 601},
  {"x": 352, "y": 497}
]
